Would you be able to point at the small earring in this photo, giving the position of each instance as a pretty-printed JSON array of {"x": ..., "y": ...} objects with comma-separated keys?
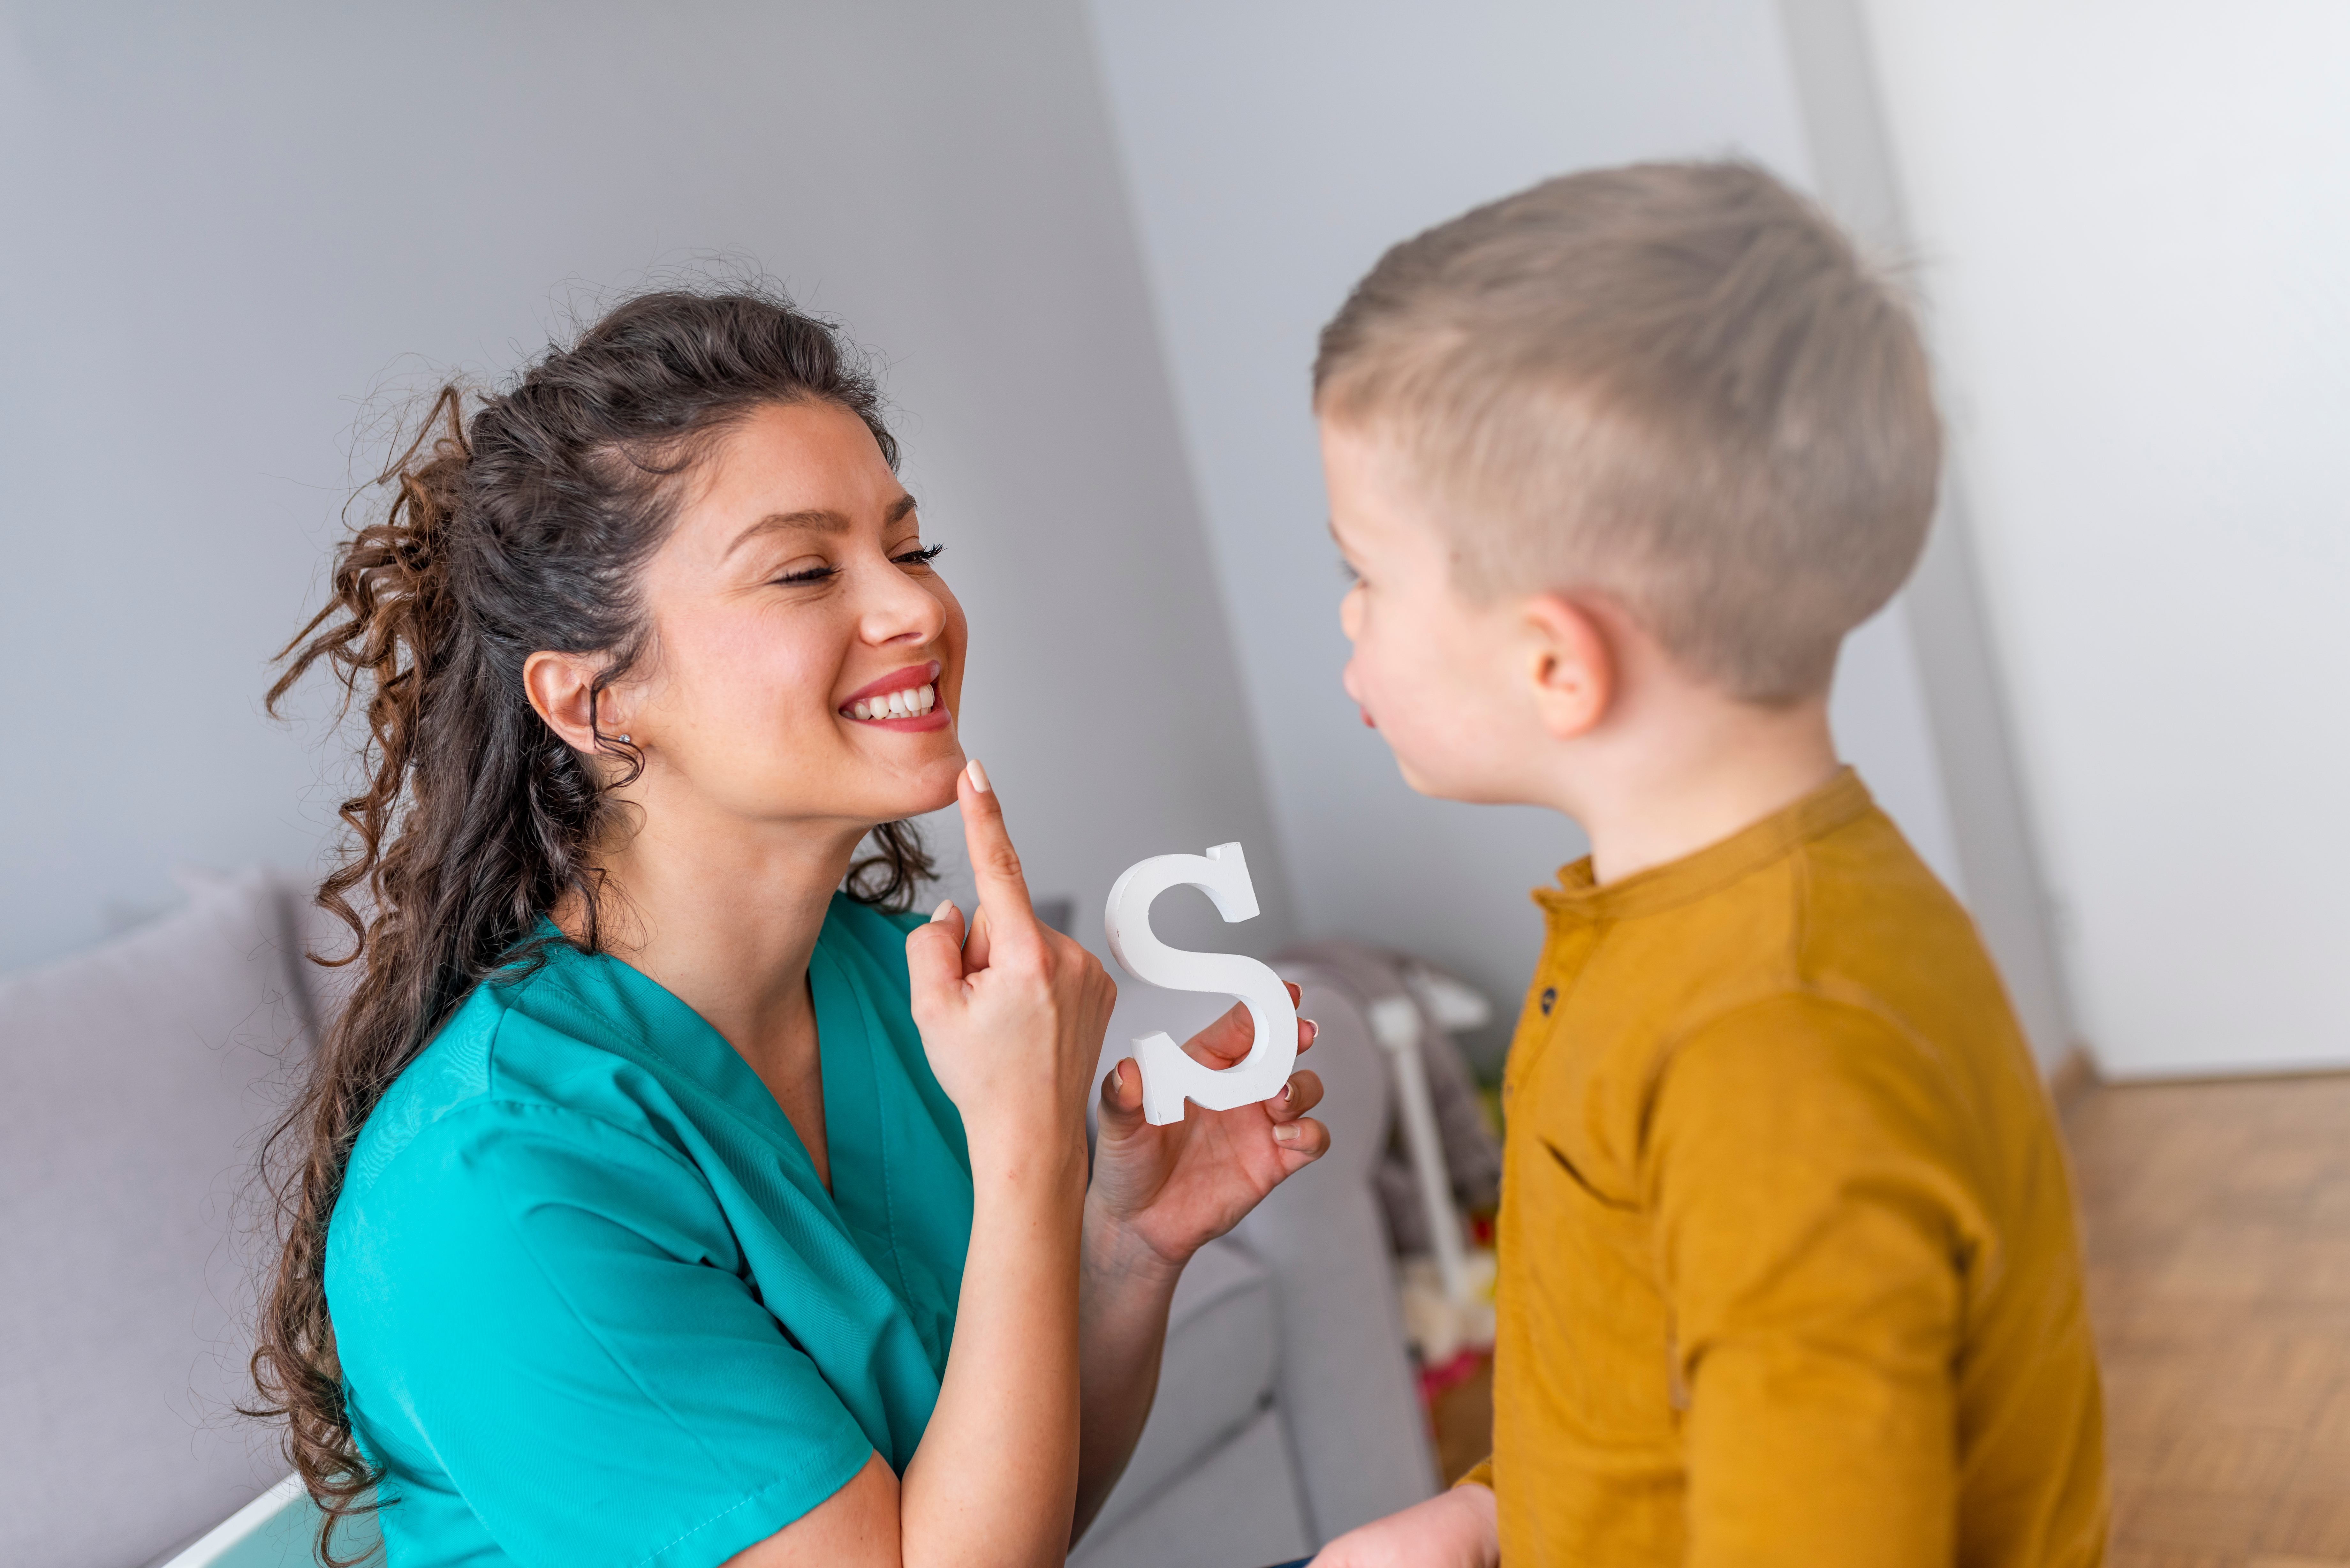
[{"x": 627, "y": 740}]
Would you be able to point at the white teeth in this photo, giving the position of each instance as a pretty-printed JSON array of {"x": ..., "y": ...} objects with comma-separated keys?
[{"x": 906, "y": 702}]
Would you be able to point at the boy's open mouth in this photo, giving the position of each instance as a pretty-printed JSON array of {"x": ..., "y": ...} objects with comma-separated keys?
[{"x": 907, "y": 693}]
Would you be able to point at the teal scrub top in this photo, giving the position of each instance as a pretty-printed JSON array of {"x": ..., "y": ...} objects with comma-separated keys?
[{"x": 592, "y": 1302}]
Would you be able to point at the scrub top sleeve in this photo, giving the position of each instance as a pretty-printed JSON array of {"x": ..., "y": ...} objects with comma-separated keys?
[{"x": 568, "y": 1329}]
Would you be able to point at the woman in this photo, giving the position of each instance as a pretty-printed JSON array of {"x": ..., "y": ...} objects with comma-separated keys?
[{"x": 656, "y": 1202}]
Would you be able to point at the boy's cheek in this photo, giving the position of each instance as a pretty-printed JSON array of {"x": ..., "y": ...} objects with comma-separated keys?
[
  {"x": 1424, "y": 761},
  {"x": 1394, "y": 710},
  {"x": 1441, "y": 738}
]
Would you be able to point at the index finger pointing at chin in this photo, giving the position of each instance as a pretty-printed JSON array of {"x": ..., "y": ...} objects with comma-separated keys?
[{"x": 995, "y": 863}]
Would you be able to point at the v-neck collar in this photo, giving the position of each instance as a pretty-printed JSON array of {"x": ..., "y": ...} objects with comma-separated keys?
[
  {"x": 856, "y": 1132},
  {"x": 662, "y": 1023}
]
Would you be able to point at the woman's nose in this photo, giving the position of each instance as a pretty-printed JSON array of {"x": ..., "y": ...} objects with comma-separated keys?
[{"x": 897, "y": 608}]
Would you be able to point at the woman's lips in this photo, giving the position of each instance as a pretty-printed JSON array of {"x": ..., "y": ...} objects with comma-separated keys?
[
  {"x": 906, "y": 699},
  {"x": 913, "y": 675}
]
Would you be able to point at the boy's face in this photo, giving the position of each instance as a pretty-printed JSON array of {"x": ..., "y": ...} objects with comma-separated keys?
[{"x": 1447, "y": 681}]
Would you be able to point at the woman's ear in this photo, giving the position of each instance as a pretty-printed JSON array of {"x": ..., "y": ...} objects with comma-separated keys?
[
  {"x": 562, "y": 688},
  {"x": 1573, "y": 665}
]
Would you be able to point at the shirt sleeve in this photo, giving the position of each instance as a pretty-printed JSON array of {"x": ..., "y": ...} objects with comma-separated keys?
[
  {"x": 1811, "y": 1221},
  {"x": 562, "y": 1312}
]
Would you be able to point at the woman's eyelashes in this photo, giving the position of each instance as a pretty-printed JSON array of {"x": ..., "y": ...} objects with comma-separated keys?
[{"x": 818, "y": 572}]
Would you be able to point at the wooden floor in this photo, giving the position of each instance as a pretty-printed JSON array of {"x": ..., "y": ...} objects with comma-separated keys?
[{"x": 2217, "y": 1228}]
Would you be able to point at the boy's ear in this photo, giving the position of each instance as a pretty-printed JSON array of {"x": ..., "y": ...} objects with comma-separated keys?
[
  {"x": 1572, "y": 663},
  {"x": 562, "y": 688}
]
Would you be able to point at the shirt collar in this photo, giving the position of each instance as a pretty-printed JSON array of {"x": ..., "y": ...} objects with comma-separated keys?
[{"x": 1843, "y": 799}]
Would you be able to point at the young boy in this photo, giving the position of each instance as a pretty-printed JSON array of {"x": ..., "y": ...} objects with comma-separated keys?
[{"x": 1788, "y": 1267}]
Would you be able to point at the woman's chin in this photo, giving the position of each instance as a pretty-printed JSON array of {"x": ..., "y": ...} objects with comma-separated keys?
[{"x": 930, "y": 788}]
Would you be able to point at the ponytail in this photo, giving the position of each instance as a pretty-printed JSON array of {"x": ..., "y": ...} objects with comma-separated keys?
[{"x": 519, "y": 529}]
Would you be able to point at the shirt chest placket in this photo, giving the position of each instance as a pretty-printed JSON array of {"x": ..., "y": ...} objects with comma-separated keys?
[{"x": 1566, "y": 955}]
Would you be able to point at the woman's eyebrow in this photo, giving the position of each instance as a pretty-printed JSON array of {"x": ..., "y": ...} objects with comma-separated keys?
[
  {"x": 820, "y": 520},
  {"x": 815, "y": 521}
]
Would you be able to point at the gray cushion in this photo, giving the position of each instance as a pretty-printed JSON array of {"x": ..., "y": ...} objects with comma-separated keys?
[
  {"x": 1345, "y": 1382},
  {"x": 1238, "y": 1509},
  {"x": 134, "y": 1081},
  {"x": 1215, "y": 1375}
]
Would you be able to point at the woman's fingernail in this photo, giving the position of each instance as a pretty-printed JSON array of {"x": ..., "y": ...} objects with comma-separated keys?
[
  {"x": 1313, "y": 1029},
  {"x": 1287, "y": 1133},
  {"x": 1285, "y": 1089},
  {"x": 979, "y": 777},
  {"x": 946, "y": 906}
]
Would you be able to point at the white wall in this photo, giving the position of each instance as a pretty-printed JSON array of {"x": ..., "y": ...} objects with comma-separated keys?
[
  {"x": 221, "y": 234},
  {"x": 226, "y": 226},
  {"x": 1274, "y": 148},
  {"x": 1991, "y": 827},
  {"x": 2136, "y": 220}
]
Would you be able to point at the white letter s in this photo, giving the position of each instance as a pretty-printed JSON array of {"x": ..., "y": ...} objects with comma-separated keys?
[{"x": 1168, "y": 1076}]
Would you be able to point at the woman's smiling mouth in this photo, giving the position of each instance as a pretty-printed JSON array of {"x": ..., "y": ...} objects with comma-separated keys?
[
  {"x": 907, "y": 698},
  {"x": 897, "y": 704}
]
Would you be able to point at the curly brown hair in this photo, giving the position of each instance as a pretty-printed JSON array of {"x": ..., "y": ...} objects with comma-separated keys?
[{"x": 518, "y": 528}]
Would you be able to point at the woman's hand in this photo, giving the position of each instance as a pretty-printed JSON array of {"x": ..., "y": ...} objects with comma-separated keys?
[
  {"x": 1012, "y": 1019},
  {"x": 1171, "y": 1189}
]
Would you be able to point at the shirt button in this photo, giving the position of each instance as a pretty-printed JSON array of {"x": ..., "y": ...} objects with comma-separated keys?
[{"x": 1549, "y": 999}]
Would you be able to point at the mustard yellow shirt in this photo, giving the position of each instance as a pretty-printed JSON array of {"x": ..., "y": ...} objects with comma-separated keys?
[{"x": 1789, "y": 1272}]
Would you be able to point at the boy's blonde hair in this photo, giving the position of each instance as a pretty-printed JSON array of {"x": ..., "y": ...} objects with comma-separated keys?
[{"x": 1676, "y": 384}]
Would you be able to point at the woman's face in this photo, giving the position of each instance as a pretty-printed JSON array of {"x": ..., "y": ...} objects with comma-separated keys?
[{"x": 806, "y": 660}]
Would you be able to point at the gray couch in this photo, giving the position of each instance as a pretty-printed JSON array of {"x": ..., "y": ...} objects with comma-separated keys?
[{"x": 139, "y": 1077}]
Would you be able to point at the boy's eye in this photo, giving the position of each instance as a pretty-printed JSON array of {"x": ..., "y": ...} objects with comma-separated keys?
[
  {"x": 922, "y": 557},
  {"x": 1347, "y": 570}
]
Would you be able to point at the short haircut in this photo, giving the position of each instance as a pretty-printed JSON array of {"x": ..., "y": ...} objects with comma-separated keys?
[{"x": 1674, "y": 384}]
